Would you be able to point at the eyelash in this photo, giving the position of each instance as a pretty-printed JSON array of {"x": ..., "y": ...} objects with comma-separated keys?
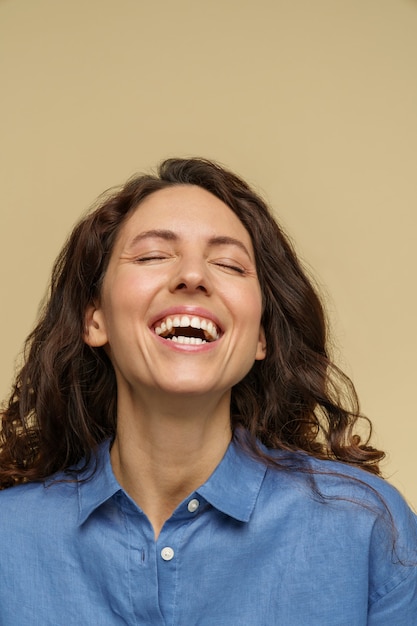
[
  {"x": 143, "y": 259},
  {"x": 235, "y": 268},
  {"x": 227, "y": 266}
]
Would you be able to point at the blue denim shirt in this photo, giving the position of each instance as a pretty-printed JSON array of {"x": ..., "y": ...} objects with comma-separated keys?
[{"x": 253, "y": 547}]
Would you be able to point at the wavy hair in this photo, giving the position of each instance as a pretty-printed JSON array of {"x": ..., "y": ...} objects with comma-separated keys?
[{"x": 63, "y": 402}]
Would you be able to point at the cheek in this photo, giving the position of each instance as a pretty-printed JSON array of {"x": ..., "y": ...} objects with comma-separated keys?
[
  {"x": 127, "y": 298},
  {"x": 251, "y": 303},
  {"x": 246, "y": 306}
]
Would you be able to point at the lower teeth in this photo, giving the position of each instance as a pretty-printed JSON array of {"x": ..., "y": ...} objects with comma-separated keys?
[{"x": 187, "y": 340}]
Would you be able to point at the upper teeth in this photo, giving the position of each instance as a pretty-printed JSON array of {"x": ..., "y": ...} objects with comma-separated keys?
[{"x": 185, "y": 321}]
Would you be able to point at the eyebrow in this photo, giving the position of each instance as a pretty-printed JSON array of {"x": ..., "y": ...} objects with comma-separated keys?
[{"x": 169, "y": 235}]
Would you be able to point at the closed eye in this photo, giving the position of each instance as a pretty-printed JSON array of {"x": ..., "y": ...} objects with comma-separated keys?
[
  {"x": 152, "y": 257},
  {"x": 230, "y": 266}
]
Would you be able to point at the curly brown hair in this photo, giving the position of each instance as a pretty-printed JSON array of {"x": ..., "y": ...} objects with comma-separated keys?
[{"x": 64, "y": 398}]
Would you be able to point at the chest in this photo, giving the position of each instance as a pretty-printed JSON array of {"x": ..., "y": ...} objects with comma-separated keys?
[{"x": 207, "y": 569}]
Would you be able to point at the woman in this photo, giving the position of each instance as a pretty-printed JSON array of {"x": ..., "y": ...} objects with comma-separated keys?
[{"x": 180, "y": 448}]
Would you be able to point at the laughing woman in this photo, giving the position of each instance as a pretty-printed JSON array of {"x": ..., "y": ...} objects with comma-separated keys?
[{"x": 178, "y": 447}]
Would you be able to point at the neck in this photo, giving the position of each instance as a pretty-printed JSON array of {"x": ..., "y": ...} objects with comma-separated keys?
[{"x": 163, "y": 451}]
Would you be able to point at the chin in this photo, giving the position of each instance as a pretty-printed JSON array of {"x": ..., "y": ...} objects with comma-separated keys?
[{"x": 181, "y": 388}]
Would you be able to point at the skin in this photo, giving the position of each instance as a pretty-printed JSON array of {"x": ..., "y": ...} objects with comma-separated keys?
[{"x": 182, "y": 252}]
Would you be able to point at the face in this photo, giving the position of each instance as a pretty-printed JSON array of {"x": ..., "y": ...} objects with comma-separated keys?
[{"x": 180, "y": 308}]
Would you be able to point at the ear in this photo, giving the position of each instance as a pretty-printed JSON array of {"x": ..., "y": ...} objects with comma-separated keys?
[
  {"x": 95, "y": 334},
  {"x": 261, "y": 348}
]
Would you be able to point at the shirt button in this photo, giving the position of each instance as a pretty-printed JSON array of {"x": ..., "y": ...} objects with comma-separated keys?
[
  {"x": 167, "y": 553},
  {"x": 193, "y": 505}
]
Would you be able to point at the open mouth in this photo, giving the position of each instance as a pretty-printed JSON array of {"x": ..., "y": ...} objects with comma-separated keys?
[{"x": 192, "y": 330}]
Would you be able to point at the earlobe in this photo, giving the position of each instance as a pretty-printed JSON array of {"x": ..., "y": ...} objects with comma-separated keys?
[
  {"x": 261, "y": 349},
  {"x": 94, "y": 328}
]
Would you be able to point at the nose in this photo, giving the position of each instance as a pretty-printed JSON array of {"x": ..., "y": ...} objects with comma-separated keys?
[{"x": 191, "y": 277}]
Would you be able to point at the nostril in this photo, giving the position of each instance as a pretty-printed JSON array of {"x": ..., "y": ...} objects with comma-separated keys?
[{"x": 191, "y": 287}]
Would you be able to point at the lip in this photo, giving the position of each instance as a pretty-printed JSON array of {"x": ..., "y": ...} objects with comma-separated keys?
[
  {"x": 184, "y": 347},
  {"x": 186, "y": 310}
]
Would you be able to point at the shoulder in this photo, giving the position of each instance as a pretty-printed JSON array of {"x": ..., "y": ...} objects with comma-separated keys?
[
  {"x": 354, "y": 501},
  {"x": 335, "y": 480},
  {"x": 60, "y": 491},
  {"x": 340, "y": 495},
  {"x": 34, "y": 502},
  {"x": 357, "y": 516}
]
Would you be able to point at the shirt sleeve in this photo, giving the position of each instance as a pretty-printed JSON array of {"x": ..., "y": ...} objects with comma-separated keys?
[
  {"x": 393, "y": 585},
  {"x": 399, "y": 606}
]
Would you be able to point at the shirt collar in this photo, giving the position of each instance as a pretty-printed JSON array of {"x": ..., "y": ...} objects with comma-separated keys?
[
  {"x": 232, "y": 488},
  {"x": 96, "y": 488}
]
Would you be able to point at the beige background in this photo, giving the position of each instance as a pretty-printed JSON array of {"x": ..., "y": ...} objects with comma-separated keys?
[{"x": 314, "y": 102}]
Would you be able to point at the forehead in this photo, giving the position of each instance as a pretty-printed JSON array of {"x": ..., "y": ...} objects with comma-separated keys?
[{"x": 188, "y": 210}]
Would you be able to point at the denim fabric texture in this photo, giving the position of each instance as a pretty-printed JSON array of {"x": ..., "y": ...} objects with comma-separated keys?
[{"x": 251, "y": 547}]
